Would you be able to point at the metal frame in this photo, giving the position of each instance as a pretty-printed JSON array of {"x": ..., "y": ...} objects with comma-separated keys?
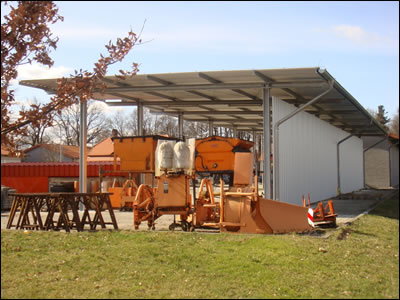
[
  {"x": 229, "y": 98},
  {"x": 267, "y": 142},
  {"x": 83, "y": 147},
  {"x": 338, "y": 161}
]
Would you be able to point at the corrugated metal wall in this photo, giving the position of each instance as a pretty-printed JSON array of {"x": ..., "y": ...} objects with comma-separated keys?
[
  {"x": 394, "y": 166},
  {"x": 34, "y": 177},
  {"x": 308, "y": 158},
  {"x": 351, "y": 165}
]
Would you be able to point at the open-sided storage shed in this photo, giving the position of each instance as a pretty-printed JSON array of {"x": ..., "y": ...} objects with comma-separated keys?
[{"x": 312, "y": 122}]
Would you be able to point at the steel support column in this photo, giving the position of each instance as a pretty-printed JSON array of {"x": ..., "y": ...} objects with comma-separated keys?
[
  {"x": 254, "y": 134},
  {"x": 140, "y": 131},
  {"x": 267, "y": 142},
  {"x": 83, "y": 149},
  {"x": 338, "y": 161},
  {"x": 210, "y": 127},
  {"x": 180, "y": 125},
  {"x": 140, "y": 119}
]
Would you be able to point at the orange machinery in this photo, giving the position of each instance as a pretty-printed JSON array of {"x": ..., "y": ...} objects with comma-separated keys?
[
  {"x": 171, "y": 197},
  {"x": 216, "y": 155},
  {"x": 136, "y": 155},
  {"x": 240, "y": 208}
]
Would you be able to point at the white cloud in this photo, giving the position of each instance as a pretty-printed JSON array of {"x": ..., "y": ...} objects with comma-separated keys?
[
  {"x": 83, "y": 33},
  {"x": 355, "y": 34},
  {"x": 37, "y": 71},
  {"x": 359, "y": 36},
  {"x": 344, "y": 36}
]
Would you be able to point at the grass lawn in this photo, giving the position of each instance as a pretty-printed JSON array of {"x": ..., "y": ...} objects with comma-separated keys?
[{"x": 357, "y": 261}]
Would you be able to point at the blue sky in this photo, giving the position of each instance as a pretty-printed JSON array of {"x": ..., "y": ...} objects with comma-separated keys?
[{"x": 357, "y": 42}]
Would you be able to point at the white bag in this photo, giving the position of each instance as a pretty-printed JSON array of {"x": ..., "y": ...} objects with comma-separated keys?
[
  {"x": 181, "y": 156},
  {"x": 165, "y": 155}
]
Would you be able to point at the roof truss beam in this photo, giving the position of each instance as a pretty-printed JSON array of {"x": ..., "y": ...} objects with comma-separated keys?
[{"x": 239, "y": 91}]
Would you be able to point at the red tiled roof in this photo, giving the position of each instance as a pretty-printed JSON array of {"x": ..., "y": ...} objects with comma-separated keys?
[
  {"x": 6, "y": 152},
  {"x": 104, "y": 148},
  {"x": 392, "y": 135}
]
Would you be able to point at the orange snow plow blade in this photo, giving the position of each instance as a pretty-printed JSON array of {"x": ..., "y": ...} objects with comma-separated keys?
[
  {"x": 284, "y": 217},
  {"x": 246, "y": 212}
]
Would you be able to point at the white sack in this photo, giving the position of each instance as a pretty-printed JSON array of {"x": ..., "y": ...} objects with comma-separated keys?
[
  {"x": 181, "y": 156},
  {"x": 165, "y": 155}
]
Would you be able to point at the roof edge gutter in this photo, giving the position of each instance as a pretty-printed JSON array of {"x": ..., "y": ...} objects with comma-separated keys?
[{"x": 328, "y": 77}]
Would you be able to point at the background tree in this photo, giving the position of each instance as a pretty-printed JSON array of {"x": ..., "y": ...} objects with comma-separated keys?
[
  {"x": 68, "y": 122},
  {"x": 149, "y": 122},
  {"x": 37, "y": 133},
  {"x": 26, "y": 37},
  {"x": 381, "y": 116},
  {"x": 166, "y": 124},
  {"x": 195, "y": 129},
  {"x": 394, "y": 124},
  {"x": 120, "y": 122}
]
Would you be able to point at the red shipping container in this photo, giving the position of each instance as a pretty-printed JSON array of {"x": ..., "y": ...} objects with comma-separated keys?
[{"x": 34, "y": 177}]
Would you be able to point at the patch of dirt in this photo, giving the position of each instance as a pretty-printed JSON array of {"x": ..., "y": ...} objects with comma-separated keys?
[
  {"x": 344, "y": 234},
  {"x": 314, "y": 232}
]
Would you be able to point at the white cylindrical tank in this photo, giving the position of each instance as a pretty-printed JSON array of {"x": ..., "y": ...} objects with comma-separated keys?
[
  {"x": 181, "y": 156},
  {"x": 165, "y": 155}
]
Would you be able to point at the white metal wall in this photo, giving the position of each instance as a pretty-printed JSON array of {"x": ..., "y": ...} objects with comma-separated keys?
[
  {"x": 308, "y": 158},
  {"x": 351, "y": 165}
]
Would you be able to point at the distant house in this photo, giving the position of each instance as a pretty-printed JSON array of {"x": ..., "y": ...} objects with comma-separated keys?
[
  {"x": 51, "y": 153},
  {"x": 103, "y": 151},
  {"x": 381, "y": 164},
  {"x": 8, "y": 157}
]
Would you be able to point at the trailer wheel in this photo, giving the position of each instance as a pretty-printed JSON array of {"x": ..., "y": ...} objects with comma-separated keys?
[{"x": 185, "y": 226}]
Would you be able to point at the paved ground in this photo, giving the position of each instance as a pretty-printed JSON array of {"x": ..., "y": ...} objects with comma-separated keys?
[{"x": 347, "y": 209}]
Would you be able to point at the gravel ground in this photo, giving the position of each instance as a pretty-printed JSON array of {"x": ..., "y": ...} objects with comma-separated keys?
[{"x": 124, "y": 220}]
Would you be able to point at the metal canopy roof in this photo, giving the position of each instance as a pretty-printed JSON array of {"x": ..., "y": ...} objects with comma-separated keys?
[{"x": 234, "y": 98}]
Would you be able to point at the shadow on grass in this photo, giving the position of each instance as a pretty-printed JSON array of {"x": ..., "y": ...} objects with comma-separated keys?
[{"x": 388, "y": 208}]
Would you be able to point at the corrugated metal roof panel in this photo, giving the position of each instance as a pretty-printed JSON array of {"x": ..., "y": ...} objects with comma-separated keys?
[{"x": 295, "y": 86}]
